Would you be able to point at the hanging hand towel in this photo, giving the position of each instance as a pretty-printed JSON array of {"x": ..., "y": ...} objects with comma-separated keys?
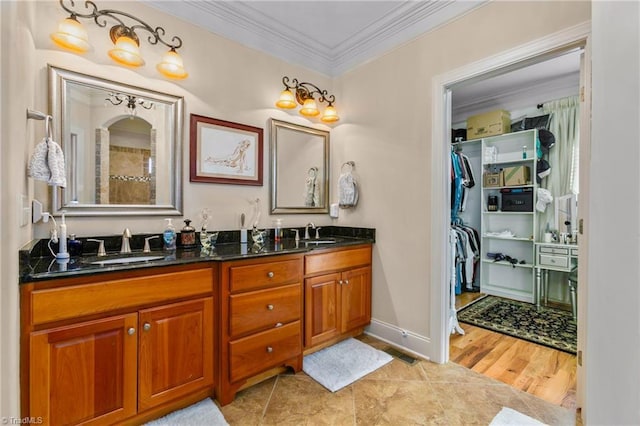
[
  {"x": 348, "y": 190},
  {"x": 312, "y": 192},
  {"x": 38, "y": 165},
  {"x": 56, "y": 165},
  {"x": 47, "y": 163}
]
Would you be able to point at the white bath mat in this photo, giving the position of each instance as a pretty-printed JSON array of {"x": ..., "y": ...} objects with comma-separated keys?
[
  {"x": 509, "y": 417},
  {"x": 343, "y": 363},
  {"x": 205, "y": 412}
]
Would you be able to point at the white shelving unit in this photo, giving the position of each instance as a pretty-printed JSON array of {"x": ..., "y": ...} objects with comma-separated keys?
[{"x": 502, "y": 278}]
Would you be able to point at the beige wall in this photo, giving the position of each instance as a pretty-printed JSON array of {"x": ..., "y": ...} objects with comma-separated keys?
[
  {"x": 385, "y": 107},
  {"x": 387, "y": 133}
]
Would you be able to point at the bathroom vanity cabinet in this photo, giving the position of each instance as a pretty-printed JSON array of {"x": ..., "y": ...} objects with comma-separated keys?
[
  {"x": 127, "y": 344},
  {"x": 260, "y": 319},
  {"x": 104, "y": 349},
  {"x": 337, "y": 294}
]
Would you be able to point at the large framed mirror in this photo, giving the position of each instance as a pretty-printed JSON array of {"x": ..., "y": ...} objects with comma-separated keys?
[
  {"x": 299, "y": 168},
  {"x": 122, "y": 146}
]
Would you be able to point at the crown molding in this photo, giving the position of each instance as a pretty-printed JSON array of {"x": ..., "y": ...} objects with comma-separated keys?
[{"x": 239, "y": 21}]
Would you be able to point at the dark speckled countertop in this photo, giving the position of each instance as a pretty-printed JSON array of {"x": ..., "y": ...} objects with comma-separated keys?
[{"x": 37, "y": 264}]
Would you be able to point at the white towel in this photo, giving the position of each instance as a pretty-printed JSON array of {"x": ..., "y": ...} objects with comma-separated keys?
[
  {"x": 47, "y": 163},
  {"x": 348, "y": 190}
]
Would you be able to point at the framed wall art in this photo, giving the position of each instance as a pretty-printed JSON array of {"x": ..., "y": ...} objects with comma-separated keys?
[{"x": 225, "y": 152}]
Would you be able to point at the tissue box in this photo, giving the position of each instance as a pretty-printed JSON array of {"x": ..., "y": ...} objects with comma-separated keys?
[
  {"x": 518, "y": 175},
  {"x": 488, "y": 124}
]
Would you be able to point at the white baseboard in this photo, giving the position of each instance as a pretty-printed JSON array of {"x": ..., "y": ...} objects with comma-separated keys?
[{"x": 405, "y": 340}]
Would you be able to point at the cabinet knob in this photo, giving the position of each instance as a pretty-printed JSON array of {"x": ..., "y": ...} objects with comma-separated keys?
[
  {"x": 269, "y": 349},
  {"x": 270, "y": 274},
  {"x": 146, "y": 326},
  {"x": 278, "y": 324},
  {"x": 131, "y": 331},
  {"x": 270, "y": 307},
  {"x": 346, "y": 281},
  {"x": 340, "y": 282}
]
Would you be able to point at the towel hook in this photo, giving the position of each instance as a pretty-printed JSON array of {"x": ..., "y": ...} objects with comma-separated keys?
[
  {"x": 48, "y": 121},
  {"x": 351, "y": 165}
]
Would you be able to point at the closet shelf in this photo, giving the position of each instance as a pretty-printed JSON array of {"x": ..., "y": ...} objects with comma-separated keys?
[
  {"x": 517, "y": 160},
  {"x": 505, "y": 263},
  {"x": 491, "y": 188},
  {"x": 491, "y": 237},
  {"x": 507, "y": 213}
]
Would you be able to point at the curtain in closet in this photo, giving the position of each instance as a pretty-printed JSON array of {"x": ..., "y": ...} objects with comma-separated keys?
[{"x": 563, "y": 156}]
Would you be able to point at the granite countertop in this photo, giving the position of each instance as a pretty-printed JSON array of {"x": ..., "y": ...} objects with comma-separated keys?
[{"x": 37, "y": 264}]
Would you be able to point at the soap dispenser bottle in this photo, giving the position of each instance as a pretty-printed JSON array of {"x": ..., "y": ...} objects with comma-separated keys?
[
  {"x": 169, "y": 236},
  {"x": 188, "y": 235}
]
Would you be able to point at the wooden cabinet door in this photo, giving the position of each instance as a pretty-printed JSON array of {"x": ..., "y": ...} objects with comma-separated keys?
[
  {"x": 84, "y": 373},
  {"x": 322, "y": 313},
  {"x": 176, "y": 351},
  {"x": 356, "y": 298}
]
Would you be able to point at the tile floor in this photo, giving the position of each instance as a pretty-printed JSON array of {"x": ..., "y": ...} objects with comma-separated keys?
[{"x": 424, "y": 393}]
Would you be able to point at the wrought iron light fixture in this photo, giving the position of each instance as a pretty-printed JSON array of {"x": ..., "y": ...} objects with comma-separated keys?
[
  {"x": 71, "y": 35},
  {"x": 131, "y": 102},
  {"x": 304, "y": 93}
]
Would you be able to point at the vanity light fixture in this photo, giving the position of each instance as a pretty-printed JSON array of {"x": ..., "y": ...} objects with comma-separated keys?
[
  {"x": 304, "y": 93},
  {"x": 131, "y": 102},
  {"x": 71, "y": 35}
]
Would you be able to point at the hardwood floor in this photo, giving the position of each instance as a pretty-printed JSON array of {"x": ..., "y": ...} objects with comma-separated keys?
[{"x": 547, "y": 373}]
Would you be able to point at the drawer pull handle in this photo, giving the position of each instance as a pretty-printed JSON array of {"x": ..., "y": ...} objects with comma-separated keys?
[
  {"x": 269, "y": 349},
  {"x": 270, "y": 274},
  {"x": 270, "y": 307},
  {"x": 278, "y": 324},
  {"x": 131, "y": 331},
  {"x": 146, "y": 326}
]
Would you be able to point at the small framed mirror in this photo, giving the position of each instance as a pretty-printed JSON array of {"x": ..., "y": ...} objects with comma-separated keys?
[
  {"x": 122, "y": 147},
  {"x": 299, "y": 168}
]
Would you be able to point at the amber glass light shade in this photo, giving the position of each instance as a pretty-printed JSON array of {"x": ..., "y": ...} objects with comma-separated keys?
[
  {"x": 309, "y": 108},
  {"x": 286, "y": 100},
  {"x": 71, "y": 35},
  {"x": 126, "y": 52},
  {"x": 330, "y": 115},
  {"x": 172, "y": 66}
]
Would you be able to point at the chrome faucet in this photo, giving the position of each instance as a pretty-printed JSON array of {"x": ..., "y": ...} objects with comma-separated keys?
[
  {"x": 126, "y": 236},
  {"x": 306, "y": 230}
]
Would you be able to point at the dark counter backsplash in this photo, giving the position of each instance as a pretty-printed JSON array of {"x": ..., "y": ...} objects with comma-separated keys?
[{"x": 112, "y": 243}]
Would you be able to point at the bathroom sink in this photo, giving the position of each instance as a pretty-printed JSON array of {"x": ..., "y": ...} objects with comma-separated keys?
[
  {"x": 124, "y": 260},
  {"x": 327, "y": 240}
]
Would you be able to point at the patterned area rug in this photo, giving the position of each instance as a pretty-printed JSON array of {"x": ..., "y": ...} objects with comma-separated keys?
[{"x": 546, "y": 326}]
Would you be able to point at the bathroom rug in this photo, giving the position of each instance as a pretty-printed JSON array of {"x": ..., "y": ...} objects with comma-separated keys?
[
  {"x": 547, "y": 326},
  {"x": 510, "y": 417},
  {"x": 343, "y": 363},
  {"x": 205, "y": 412}
]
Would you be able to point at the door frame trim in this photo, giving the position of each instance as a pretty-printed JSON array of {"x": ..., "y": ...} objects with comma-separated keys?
[{"x": 529, "y": 53}]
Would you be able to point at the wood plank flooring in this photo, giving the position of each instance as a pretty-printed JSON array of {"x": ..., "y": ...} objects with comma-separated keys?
[{"x": 547, "y": 373}]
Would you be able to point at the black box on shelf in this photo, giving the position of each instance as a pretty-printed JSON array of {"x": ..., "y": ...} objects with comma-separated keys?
[{"x": 517, "y": 199}]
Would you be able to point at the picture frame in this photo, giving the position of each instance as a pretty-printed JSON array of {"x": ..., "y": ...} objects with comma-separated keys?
[{"x": 225, "y": 152}]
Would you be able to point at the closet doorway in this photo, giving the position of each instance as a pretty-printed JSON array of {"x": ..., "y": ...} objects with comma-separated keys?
[{"x": 575, "y": 43}]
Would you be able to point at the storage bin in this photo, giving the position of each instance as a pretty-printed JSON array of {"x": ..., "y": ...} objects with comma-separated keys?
[
  {"x": 488, "y": 124},
  {"x": 517, "y": 199},
  {"x": 518, "y": 175}
]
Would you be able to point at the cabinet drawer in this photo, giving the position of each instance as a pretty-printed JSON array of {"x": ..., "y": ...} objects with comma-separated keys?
[
  {"x": 557, "y": 261},
  {"x": 250, "y": 277},
  {"x": 574, "y": 252},
  {"x": 554, "y": 250},
  {"x": 56, "y": 304},
  {"x": 253, "y": 354},
  {"x": 337, "y": 260},
  {"x": 262, "y": 309}
]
